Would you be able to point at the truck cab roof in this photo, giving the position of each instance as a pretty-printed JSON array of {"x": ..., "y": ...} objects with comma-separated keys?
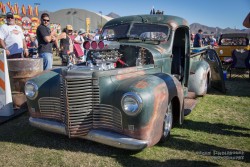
[{"x": 172, "y": 21}]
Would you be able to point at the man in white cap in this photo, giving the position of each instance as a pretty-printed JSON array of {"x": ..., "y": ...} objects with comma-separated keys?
[{"x": 12, "y": 38}]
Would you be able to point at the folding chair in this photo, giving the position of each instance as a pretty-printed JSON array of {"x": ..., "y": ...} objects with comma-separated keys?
[{"x": 241, "y": 63}]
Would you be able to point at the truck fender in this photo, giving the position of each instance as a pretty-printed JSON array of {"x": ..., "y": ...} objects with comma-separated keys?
[
  {"x": 48, "y": 83},
  {"x": 200, "y": 77},
  {"x": 176, "y": 95},
  {"x": 148, "y": 123}
]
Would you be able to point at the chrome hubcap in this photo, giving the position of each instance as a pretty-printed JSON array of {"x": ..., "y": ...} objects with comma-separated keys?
[{"x": 168, "y": 120}]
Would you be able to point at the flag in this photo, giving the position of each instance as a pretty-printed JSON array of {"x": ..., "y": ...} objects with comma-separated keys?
[
  {"x": 23, "y": 10},
  {"x": 30, "y": 11},
  {"x": 36, "y": 10},
  {"x": 8, "y": 4},
  {"x": 16, "y": 8},
  {"x": 3, "y": 9},
  {"x": 12, "y": 9}
]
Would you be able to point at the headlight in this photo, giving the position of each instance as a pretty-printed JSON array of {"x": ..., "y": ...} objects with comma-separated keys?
[
  {"x": 31, "y": 90},
  {"x": 131, "y": 103},
  {"x": 221, "y": 52}
]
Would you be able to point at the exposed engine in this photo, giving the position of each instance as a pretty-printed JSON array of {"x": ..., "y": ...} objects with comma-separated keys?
[
  {"x": 104, "y": 55},
  {"x": 108, "y": 55}
]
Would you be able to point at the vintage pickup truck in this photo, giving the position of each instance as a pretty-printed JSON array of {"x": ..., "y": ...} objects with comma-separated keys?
[{"x": 132, "y": 89}]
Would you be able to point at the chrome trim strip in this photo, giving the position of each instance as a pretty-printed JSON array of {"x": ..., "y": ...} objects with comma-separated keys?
[
  {"x": 51, "y": 126},
  {"x": 100, "y": 136},
  {"x": 115, "y": 140}
]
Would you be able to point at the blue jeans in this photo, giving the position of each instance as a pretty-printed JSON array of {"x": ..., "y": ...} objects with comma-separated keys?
[{"x": 47, "y": 60}]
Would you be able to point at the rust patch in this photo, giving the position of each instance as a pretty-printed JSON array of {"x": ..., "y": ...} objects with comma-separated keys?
[
  {"x": 160, "y": 49},
  {"x": 153, "y": 130},
  {"x": 204, "y": 76},
  {"x": 141, "y": 84},
  {"x": 49, "y": 115},
  {"x": 130, "y": 75},
  {"x": 160, "y": 107},
  {"x": 127, "y": 70}
]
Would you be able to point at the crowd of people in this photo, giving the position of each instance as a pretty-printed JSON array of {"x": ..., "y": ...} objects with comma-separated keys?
[
  {"x": 200, "y": 40},
  {"x": 68, "y": 44}
]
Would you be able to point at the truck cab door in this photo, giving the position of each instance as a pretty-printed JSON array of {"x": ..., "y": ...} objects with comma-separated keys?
[{"x": 217, "y": 80}]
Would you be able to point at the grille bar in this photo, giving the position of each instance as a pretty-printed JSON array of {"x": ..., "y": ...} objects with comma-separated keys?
[{"x": 50, "y": 107}]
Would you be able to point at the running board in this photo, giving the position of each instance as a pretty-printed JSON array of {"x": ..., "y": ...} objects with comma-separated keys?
[
  {"x": 189, "y": 103},
  {"x": 191, "y": 95}
]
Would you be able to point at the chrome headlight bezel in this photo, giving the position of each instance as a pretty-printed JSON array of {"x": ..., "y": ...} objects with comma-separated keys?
[
  {"x": 32, "y": 92},
  {"x": 133, "y": 109}
]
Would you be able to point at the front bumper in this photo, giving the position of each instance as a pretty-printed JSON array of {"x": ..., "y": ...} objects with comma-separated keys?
[{"x": 100, "y": 136}]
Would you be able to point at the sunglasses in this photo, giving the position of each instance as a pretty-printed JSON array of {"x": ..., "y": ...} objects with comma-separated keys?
[
  {"x": 10, "y": 17},
  {"x": 45, "y": 20}
]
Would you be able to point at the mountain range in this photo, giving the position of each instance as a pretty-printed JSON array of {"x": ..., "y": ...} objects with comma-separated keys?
[
  {"x": 194, "y": 27},
  {"x": 77, "y": 18}
]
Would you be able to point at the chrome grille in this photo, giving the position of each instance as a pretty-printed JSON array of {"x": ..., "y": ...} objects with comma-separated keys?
[
  {"x": 84, "y": 111},
  {"x": 51, "y": 107},
  {"x": 81, "y": 96},
  {"x": 107, "y": 117}
]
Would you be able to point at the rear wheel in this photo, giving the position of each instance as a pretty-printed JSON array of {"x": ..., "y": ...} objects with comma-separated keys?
[
  {"x": 167, "y": 123},
  {"x": 207, "y": 85}
]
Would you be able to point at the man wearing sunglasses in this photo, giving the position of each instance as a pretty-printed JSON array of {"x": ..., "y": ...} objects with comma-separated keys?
[
  {"x": 12, "y": 38},
  {"x": 45, "y": 40}
]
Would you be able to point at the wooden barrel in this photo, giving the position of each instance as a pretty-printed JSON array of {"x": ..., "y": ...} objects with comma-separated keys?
[{"x": 20, "y": 70}]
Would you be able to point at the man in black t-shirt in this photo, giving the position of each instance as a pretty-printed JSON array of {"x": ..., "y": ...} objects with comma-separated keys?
[
  {"x": 45, "y": 40},
  {"x": 198, "y": 39}
]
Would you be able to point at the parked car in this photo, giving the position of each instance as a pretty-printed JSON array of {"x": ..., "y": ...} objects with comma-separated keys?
[
  {"x": 133, "y": 88},
  {"x": 230, "y": 41}
]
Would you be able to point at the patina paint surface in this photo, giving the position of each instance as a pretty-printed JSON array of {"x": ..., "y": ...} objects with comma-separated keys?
[
  {"x": 48, "y": 83},
  {"x": 142, "y": 84},
  {"x": 129, "y": 75},
  {"x": 152, "y": 83},
  {"x": 173, "y": 21},
  {"x": 152, "y": 131},
  {"x": 197, "y": 80}
]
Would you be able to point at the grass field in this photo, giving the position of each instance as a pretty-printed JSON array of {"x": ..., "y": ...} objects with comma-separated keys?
[{"x": 216, "y": 133}]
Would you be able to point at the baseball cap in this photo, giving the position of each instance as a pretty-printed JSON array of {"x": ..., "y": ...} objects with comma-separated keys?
[
  {"x": 69, "y": 27},
  {"x": 81, "y": 31},
  {"x": 9, "y": 14}
]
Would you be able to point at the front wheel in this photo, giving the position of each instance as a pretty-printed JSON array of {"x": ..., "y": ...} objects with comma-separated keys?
[{"x": 167, "y": 123}]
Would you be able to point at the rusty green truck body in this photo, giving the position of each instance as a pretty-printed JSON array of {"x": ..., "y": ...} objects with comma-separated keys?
[{"x": 132, "y": 88}]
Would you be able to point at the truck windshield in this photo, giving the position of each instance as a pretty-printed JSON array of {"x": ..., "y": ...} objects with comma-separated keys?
[{"x": 137, "y": 31}]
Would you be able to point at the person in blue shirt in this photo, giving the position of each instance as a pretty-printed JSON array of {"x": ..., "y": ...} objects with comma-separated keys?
[{"x": 198, "y": 39}]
